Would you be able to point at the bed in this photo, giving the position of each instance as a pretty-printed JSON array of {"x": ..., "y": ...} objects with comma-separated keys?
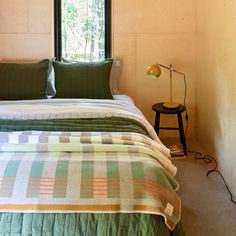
[{"x": 84, "y": 167}]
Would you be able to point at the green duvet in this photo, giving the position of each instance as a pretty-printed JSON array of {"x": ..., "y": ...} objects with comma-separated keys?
[{"x": 85, "y": 225}]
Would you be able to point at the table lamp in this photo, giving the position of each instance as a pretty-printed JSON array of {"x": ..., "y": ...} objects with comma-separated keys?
[{"x": 154, "y": 71}]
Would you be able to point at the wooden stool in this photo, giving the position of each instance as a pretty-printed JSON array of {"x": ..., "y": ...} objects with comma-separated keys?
[{"x": 159, "y": 109}]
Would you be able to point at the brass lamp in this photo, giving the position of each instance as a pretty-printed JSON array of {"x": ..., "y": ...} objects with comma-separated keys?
[{"x": 154, "y": 71}]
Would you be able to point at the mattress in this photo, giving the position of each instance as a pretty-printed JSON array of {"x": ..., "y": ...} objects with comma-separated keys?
[{"x": 84, "y": 167}]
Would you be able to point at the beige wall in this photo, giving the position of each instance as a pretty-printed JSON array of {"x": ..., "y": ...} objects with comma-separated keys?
[
  {"x": 216, "y": 83},
  {"x": 150, "y": 31},
  {"x": 144, "y": 32},
  {"x": 25, "y": 29}
]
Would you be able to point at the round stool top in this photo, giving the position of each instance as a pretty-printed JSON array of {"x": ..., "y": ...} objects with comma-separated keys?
[{"x": 158, "y": 107}]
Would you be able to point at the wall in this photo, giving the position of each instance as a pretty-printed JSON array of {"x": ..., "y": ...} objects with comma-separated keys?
[
  {"x": 216, "y": 83},
  {"x": 144, "y": 32},
  {"x": 150, "y": 31},
  {"x": 25, "y": 29}
]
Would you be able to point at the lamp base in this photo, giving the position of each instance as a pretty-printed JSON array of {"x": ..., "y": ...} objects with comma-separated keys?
[{"x": 170, "y": 105}]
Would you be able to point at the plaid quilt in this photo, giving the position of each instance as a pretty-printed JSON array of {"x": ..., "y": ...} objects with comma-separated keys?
[{"x": 68, "y": 172}]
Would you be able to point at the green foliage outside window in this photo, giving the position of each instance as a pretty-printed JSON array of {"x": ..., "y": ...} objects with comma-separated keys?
[{"x": 83, "y": 30}]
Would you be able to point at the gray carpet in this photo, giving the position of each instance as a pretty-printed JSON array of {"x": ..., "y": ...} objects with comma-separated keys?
[{"x": 206, "y": 207}]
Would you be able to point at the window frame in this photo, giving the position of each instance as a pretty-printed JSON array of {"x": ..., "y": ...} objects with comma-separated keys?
[{"x": 58, "y": 29}]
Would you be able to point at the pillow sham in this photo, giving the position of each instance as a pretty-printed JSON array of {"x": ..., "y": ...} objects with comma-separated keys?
[
  {"x": 83, "y": 79},
  {"x": 23, "y": 81},
  {"x": 50, "y": 91},
  {"x": 114, "y": 75}
]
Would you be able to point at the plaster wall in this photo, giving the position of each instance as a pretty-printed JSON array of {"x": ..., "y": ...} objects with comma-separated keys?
[{"x": 216, "y": 83}]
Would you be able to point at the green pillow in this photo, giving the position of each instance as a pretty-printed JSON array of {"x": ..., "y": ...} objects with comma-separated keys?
[
  {"x": 83, "y": 79},
  {"x": 23, "y": 81}
]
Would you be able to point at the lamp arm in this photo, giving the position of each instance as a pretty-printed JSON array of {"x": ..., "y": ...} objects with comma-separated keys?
[
  {"x": 179, "y": 72},
  {"x": 169, "y": 68},
  {"x": 164, "y": 66},
  {"x": 173, "y": 70}
]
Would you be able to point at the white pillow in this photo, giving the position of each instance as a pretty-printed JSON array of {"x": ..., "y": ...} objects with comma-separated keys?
[
  {"x": 115, "y": 76},
  {"x": 51, "y": 91}
]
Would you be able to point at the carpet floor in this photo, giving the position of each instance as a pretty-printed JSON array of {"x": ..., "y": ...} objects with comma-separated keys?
[{"x": 206, "y": 206}]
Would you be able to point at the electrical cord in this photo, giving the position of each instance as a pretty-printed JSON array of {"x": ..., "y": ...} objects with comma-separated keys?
[
  {"x": 185, "y": 89},
  {"x": 186, "y": 112},
  {"x": 206, "y": 158}
]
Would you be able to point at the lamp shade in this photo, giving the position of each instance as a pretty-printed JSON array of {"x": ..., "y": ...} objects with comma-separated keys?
[{"x": 153, "y": 71}]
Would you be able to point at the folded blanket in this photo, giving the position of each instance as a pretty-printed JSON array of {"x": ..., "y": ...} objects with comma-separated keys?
[
  {"x": 51, "y": 109},
  {"x": 86, "y": 172}
]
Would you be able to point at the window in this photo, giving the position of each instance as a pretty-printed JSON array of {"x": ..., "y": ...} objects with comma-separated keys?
[{"x": 83, "y": 29}]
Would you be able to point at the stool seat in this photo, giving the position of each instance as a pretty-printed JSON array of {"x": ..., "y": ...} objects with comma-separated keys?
[{"x": 160, "y": 109}]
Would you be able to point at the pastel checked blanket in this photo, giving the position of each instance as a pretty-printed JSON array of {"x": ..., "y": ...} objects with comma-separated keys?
[{"x": 61, "y": 172}]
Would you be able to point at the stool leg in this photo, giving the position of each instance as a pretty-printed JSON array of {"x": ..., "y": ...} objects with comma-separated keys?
[
  {"x": 157, "y": 123},
  {"x": 181, "y": 133}
]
